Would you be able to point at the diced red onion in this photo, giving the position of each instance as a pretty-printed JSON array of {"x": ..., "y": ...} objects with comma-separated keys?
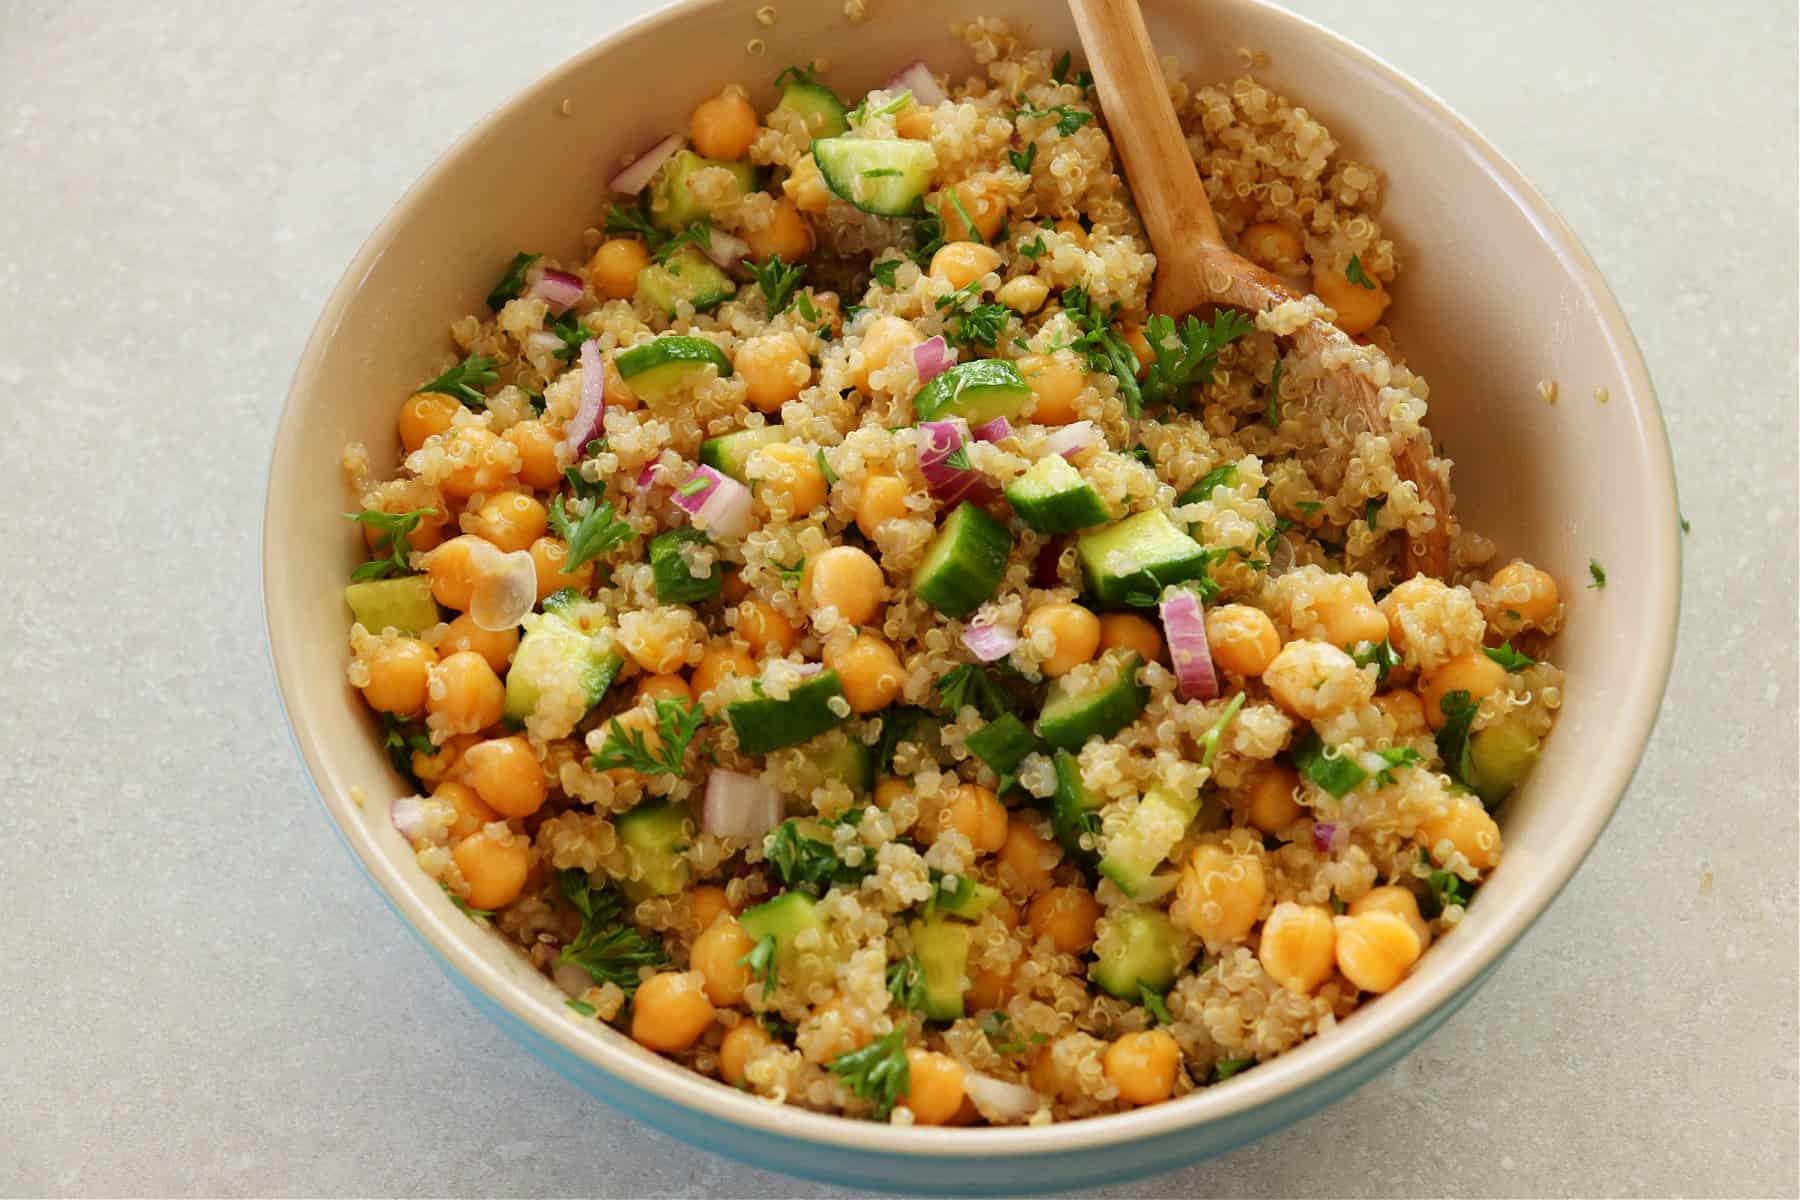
[
  {"x": 917, "y": 79},
  {"x": 938, "y": 440},
  {"x": 1184, "y": 625},
  {"x": 408, "y": 815},
  {"x": 635, "y": 177},
  {"x": 739, "y": 806},
  {"x": 1329, "y": 837},
  {"x": 989, "y": 642},
  {"x": 998, "y": 1100},
  {"x": 725, "y": 249},
  {"x": 690, "y": 496},
  {"x": 505, "y": 590},
  {"x": 590, "y": 417},
  {"x": 718, "y": 503},
  {"x": 993, "y": 431},
  {"x": 932, "y": 357},
  {"x": 648, "y": 475},
  {"x": 1071, "y": 440},
  {"x": 571, "y": 979},
  {"x": 559, "y": 289},
  {"x": 1045, "y": 572}
]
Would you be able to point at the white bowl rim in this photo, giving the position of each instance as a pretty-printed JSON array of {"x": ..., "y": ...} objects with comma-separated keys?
[{"x": 1297, "y": 1070}]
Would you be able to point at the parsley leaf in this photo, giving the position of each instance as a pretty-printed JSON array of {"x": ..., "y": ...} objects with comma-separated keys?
[
  {"x": 1355, "y": 274},
  {"x": 592, "y": 534},
  {"x": 799, "y": 75},
  {"x": 1272, "y": 414},
  {"x": 1459, "y": 709},
  {"x": 467, "y": 909},
  {"x": 1221, "y": 476},
  {"x": 979, "y": 324},
  {"x": 513, "y": 282},
  {"x": 632, "y": 221},
  {"x": 1447, "y": 889},
  {"x": 395, "y": 528},
  {"x": 1003, "y": 744},
  {"x": 877, "y": 1073},
  {"x": 970, "y": 229},
  {"x": 465, "y": 381},
  {"x": 1103, "y": 347},
  {"x": 677, "y": 722},
  {"x": 884, "y": 271},
  {"x": 1192, "y": 360},
  {"x": 403, "y": 739},
  {"x": 1155, "y": 1005},
  {"x": 958, "y": 459},
  {"x": 1337, "y": 773},
  {"x": 1068, "y": 117},
  {"x": 862, "y": 112},
  {"x": 1372, "y": 512},
  {"x": 607, "y": 948},
  {"x": 698, "y": 234},
  {"x": 1209, "y": 741},
  {"x": 906, "y": 983},
  {"x": 1598, "y": 572},
  {"x": 1225, "y": 1068},
  {"x": 776, "y": 280},
  {"x": 1396, "y": 757},
  {"x": 1506, "y": 656},
  {"x": 927, "y": 236},
  {"x": 900, "y": 724},
  {"x": 1022, "y": 161},
  {"x": 1034, "y": 248},
  {"x": 1685, "y": 527},
  {"x": 790, "y": 572},
  {"x": 831, "y": 476},
  {"x": 1060, "y": 70},
  {"x": 761, "y": 961},
  {"x": 1381, "y": 653},
  {"x": 971, "y": 686},
  {"x": 569, "y": 328},
  {"x": 806, "y": 863}
]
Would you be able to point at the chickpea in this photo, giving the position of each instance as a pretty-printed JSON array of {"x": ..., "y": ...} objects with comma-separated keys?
[
  {"x": 774, "y": 368},
  {"x": 1128, "y": 631},
  {"x": 889, "y": 789},
  {"x": 1074, "y": 230},
  {"x": 1143, "y": 1065},
  {"x": 1357, "y": 307},
  {"x": 1050, "y": 1077},
  {"x": 425, "y": 415},
  {"x": 788, "y": 234},
  {"x": 717, "y": 955},
  {"x": 1056, "y": 382},
  {"x": 1344, "y": 612},
  {"x": 510, "y": 520},
  {"x": 806, "y": 187},
  {"x": 705, "y": 903},
  {"x": 739, "y": 1047},
  {"x": 1028, "y": 856},
  {"x": 1024, "y": 294},
  {"x": 846, "y": 579},
  {"x": 1405, "y": 710},
  {"x": 548, "y": 554},
  {"x": 1523, "y": 598},
  {"x": 763, "y": 628},
  {"x": 961, "y": 263},
  {"x": 1375, "y": 950},
  {"x": 1297, "y": 946},
  {"x": 482, "y": 466},
  {"x": 1242, "y": 639},
  {"x": 1315, "y": 679},
  {"x": 452, "y": 570},
  {"x": 934, "y": 1088},
  {"x": 1467, "y": 827},
  {"x": 658, "y": 648},
  {"x": 465, "y": 694},
  {"x": 914, "y": 123},
  {"x": 1074, "y": 629},
  {"x": 494, "y": 867},
  {"x": 1399, "y": 902},
  {"x": 670, "y": 1011},
  {"x": 724, "y": 126},
  {"x": 988, "y": 989},
  {"x": 661, "y": 687},
  {"x": 719, "y": 662},
  {"x": 869, "y": 670},
  {"x": 507, "y": 776},
  {"x": 1270, "y": 804},
  {"x": 977, "y": 814},
  {"x": 983, "y": 203},
  {"x": 618, "y": 393},
  {"x": 1065, "y": 915},
  {"x": 1474, "y": 673},
  {"x": 435, "y": 767},
  {"x": 883, "y": 500},
  {"x": 613, "y": 270},
  {"x": 1271, "y": 246},
  {"x": 1220, "y": 894},
  {"x": 407, "y": 496},
  {"x": 887, "y": 339},
  {"x": 399, "y": 671},
  {"x": 538, "y": 467},
  {"x": 796, "y": 488},
  {"x": 495, "y": 646},
  {"x": 472, "y": 813}
]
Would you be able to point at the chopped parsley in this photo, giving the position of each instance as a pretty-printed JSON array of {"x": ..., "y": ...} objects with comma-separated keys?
[
  {"x": 1059, "y": 71},
  {"x": 1142, "y": 454},
  {"x": 877, "y": 1073},
  {"x": 632, "y": 221},
  {"x": 1272, "y": 414},
  {"x": 1068, "y": 117},
  {"x": 1034, "y": 248},
  {"x": 790, "y": 572},
  {"x": 862, "y": 112},
  {"x": 1001, "y": 1038},
  {"x": 1225, "y": 1068},
  {"x": 513, "y": 282},
  {"x": 607, "y": 948},
  {"x": 906, "y": 983},
  {"x": 1155, "y": 1005},
  {"x": 831, "y": 476},
  {"x": 569, "y": 328},
  {"x": 1308, "y": 507},
  {"x": 590, "y": 535},
  {"x": 1381, "y": 653},
  {"x": 884, "y": 272},
  {"x": 1209, "y": 741},
  {"x": 1685, "y": 527},
  {"x": 582, "y": 1007},
  {"x": 1340, "y": 773},
  {"x": 402, "y": 740},
  {"x": 1222, "y": 476},
  {"x": 899, "y": 724},
  {"x": 1193, "y": 357},
  {"x": 394, "y": 528},
  {"x": 977, "y": 325},
  {"x": 761, "y": 961},
  {"x": 1355, "y": 274},
  {"x": 806, "y": 863},
  {"x": 1506, "y": 656},
  {"x": 776, "y": 280},
  {"x": 699, "y": 234},
  {"x": 1022, "y": 160},
  {"x": 463, "y": 905},
  {"x": 1372, "y": 512},
  {"x": 927, "y": 235},
  {"x": 1448, "y": 889},
  {"x": 1459, "y": 709},
  {"x": 677, "y": 723},
  {"x": 1003, "y": 744},
  {"x": 969, "y": 227},
  {"x": 465, "y": 381},
  {"x": 800, "y": 75},
  {"x": 1598, "y": 572},
  {"x": 971, "y": 686},
  {"x": 1102, "y": 346}
]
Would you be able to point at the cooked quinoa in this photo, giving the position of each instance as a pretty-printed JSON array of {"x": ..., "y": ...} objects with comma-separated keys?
[{"x": 842, "y": 638}]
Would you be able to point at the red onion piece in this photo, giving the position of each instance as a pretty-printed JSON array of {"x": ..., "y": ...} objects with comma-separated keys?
[
  {"x": 408, "y": 815},
  {"x": 1329, "y": 837},
  {"x": 739, "y": 806},
  {"x": 725, "y": 249},
  {"x": 993, "y": 431},
  {"x": 590, "y": 417},
  {"x": 718, "y": 503},
  {"x": 643, "y": 168},
  {"x": 1184, "y": 626},
  {"x": 559, "y": 289},
  {"x": 1071, "y": 440},
  {"x": 690, "y": 496},
  {"x": 917, "y": 79},
  {"x": 1000, "y": 1101},
  {"x": 938, "y": 440},
  {"x": 1044, "y": 572},
  {"x": 648, "y": 475},
  {"x": 989, "y": 642},
  {"x": 932, "y": 358}
]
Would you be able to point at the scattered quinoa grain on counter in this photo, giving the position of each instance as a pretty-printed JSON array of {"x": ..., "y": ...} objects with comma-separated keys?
[{"x": 834, "y": 631}]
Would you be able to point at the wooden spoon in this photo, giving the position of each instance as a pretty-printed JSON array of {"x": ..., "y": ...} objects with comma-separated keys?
[{"x": 1193, "y": 265}]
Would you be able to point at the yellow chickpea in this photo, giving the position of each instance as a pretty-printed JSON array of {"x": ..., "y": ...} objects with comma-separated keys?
[
  {"x": 883, "y": 500},
  {"x": 886, "y": 339},
  {"x": 1242, "y": 639},
  {"x": 1023, "y": 293},
  {"x": 934, "y": 1088},
  {"x": 1065, "y": 915},
  {"x": 548, "y": 554},
  {"x": 481, "y": 469},
  {"x": 983, "y": 203},
  {"x": 724, "y": 126},
  {"x": 435, "y": 767},
  {"x": 472, "y": 813},
  {"x": 763, "y": 628},
  {"x": 425, "y": 415},
  {"x": 1466, "y": 826},
  {"x": 1405, "y": 710},
  {"x": 1474, "y": 673},
  {"x": 788, "y": 234},
  {"x": 1075, "y": 630},
  {"x": 493, "y": 867},
  {"x": 618, "y": 393},
  {"x": 1399, "y": 902},
  {"x": 495, "y": 646},
  {"x": 739, "y": 1047},
  {"x": 670, "y": 1011},
  {"x": 1344, "y": 612},
  {"x": 869, "y": 670},
  {"x": 847, "y": 579},
  {"x": 914, "y": 123},
  {"x": 1269, "y": 799},
  {"x": 806, "y": 187},
  {"x": 1128, "y": 631},
  {"x": 661, "y": 687},
  {"x": 536, "y": 445},
  {"x": 613, "y": 270},
  {"x": 1143, "y": 1065},
  {"x": 510, "y": 520},
  {"x": 1220, "y": 894},
  {"x": 1376, "y": 950},
  {"x": 719, "y": 662},
  {"x": 1298, "y": 944},
  {"x": 1315, "y": 679},
  {"x": 988, "y": 989},
  {"x": 706, "y": 903},
  {"x": 1056, "y": 381},
  {"x": 716, "y": 954},
  {"x": 464, "y": 693},
  {"x": 977, "y": 814},
  {"x": 1357, "y": 307},
  {"x": 452, "y": 570},
  {"x": 399, "y": 672},
  {"x": 797, "y": 486},
  {"x": 659, "y": 649},
  {"x": 888, "y": 790},
  {"x": 506, "y": 774},
  {"x": 1072, "y": 229},
  {"x": 1523, "y": 598},
  {"x": 1272, "y": 246},
  {"x": 961, "y": 263},
  {"x": 1027, "y": 856},
  {"x": 774, "y": 369}
]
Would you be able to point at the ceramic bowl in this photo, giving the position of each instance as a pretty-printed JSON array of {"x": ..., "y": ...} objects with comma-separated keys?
[{"x": 1497, "y": 295}]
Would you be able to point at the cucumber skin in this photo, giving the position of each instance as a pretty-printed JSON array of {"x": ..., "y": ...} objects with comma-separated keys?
[
  {"x": 675, "y": 584},
  {"x": 979, "y": 391},
  {"x": 1109, "y": 590},
  {"x": 1101, "y": 716},
  {"x": 720, "y": 453},
  {"x": 830, "y": 156},
  {"x": 809, "y": 100},
  {"x": 1073, "y": 507},
  {"x": 667, "y": 350},
  {"x": 962, "y": 584},
  {"x": 1068, "y": 808},
  {"x": 688, "y": 275},
  {"x": 763, "y": 724},
  {"x": 1003, "y": 743}
]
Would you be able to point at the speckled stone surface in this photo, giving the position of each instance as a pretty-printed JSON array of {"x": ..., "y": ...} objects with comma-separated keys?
[{"x": 199, "y": 994}]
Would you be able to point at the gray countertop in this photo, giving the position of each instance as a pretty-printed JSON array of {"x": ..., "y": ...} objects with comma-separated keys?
[{"x": 200, "y": 994}]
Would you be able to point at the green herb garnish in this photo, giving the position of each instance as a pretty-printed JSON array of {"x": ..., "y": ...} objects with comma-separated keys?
[
  {"x": 1034, "y": 248},
  {"x": 1022, "y": 160},
  {"x": 970, "y": 685},
  {"x": 464, "y": 906},
  {"x": 1155, "y": 1005},
  {"x": 1068, "y": 117},
  {"x": 885, "y": 271},
  {"x": 1506, "y": 656},
  {"x": 1598, "y": 572},
  {"x": 806, "y": 862},
  {"x": 590, "y": 535},
  {"x": 395, "y": 529},
  {"x": 465, "y": 381},
  {"x": 1355, "y": 274},
  {"x": 699, "y": 235},
  {"x": 1225, "y": 1068},
  {"x": 877, "y": 1073},
  {"x": 1209, "y": 741},
  {"x": 1459, "y": 709},
  {"x": 1272, "y": 414},
  {"x": 776, "y": 280},
  {"x": 607, "y": 948},
  {"x": 1381, "y": 653},
  {"x": 677, "y": 722},
  {"x": 403, "y": 739},
  {"x": 761, "y": 961},
  {"x": 1190, "y": 362},
  {"x": 906, "y": 983},
  {"x": 513, "y": 282}
]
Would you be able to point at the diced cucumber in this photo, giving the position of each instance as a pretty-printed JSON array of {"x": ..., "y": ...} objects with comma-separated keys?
[
  {"x": 404, "y": 604},
  {"x": 818, "y": 108},
  {"x": 886, "y": 176},
  {"x": 658, "y": 368},
  {"x": 1500, "y": 757},
  {"x": 978, "y": 391},
  {"x": 560, "y": 656},
  {"x": 962, "y": 567},
  {"x": 1075, "y": 811},
  {"x": 675, "y": 583},
  {"x": 943, "y": 950},
  {"x": 655, "y": 834},
  {"x": 1137, "y": 558},
  {"x": 1140, "y": 949},
  {"x": 1070, "y": 717},
  {"x": 1160, "y": 820},
  {"x": 967, "y": 898},
  {"x": 1003, "y": 743},
  {"x": 687, "y": 275},
  {"x": 840, "y": 756},
  {"x": 729, "y": 452},
  {"x": 764, "y": 723},
  {"x": 673, "y": 205},
  {"x": 1052, "y": 497},
  {"x": 784, "y": 918}
]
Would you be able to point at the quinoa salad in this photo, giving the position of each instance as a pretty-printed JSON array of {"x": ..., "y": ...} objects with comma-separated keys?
[{"x": 835, "y": 631}]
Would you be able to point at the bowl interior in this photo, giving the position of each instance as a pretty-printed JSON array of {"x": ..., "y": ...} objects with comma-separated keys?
[{"x": 1495, "y": 296}]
